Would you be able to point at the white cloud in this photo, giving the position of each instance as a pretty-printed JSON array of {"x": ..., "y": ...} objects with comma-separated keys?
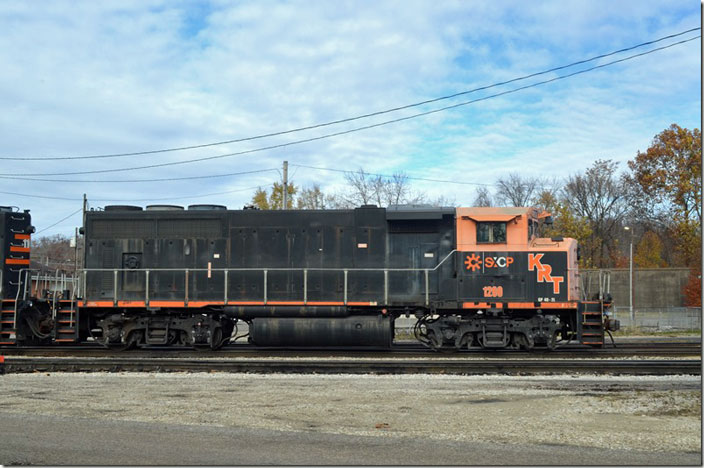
[{"x": 101, "y": 77}]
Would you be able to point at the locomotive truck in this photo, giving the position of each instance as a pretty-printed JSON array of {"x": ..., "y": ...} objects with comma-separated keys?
[{"x": 165, "y": 275}]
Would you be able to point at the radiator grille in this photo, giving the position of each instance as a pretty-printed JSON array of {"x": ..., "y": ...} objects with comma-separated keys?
[
  {"x": 189, "y": 228},
  {"x": 123, "y": 228}
]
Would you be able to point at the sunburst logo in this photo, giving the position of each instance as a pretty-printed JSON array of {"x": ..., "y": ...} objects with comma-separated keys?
[{"x": 473, "y": 262}]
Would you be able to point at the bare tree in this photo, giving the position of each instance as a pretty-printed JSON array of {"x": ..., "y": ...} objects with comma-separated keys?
[
  {"x": 54, "y": 252},
  {"x": 602, "y": 199},
  {"x": 515, "y": 190},
  {"x": 365, "y": 189},
  {"x": 483, "y": 197}
]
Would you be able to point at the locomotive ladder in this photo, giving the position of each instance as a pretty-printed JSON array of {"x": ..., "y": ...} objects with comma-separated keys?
[
  {"x": 592, "y": 327},
  {"x": 66, "y": 321},
  {"x": 65, "y": 315},
  {"x": 8, "y": 322}
]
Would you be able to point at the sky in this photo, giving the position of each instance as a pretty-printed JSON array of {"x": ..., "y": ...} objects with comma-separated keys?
[{"x": 102, "y": 78}]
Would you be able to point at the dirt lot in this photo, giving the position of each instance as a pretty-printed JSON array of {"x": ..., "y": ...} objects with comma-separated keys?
[{"x": 658, "y": 414}]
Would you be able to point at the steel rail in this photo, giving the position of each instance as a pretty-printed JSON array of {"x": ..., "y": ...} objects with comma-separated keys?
[
  {"x": 357, "y": 366},
  {"x": 671, "y": 349}
]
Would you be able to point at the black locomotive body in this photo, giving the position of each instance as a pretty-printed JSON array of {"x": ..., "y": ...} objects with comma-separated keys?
[{"x": 471, "y": 277}]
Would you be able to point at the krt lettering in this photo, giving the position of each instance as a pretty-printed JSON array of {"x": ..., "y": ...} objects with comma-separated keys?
[{"x": 544, "y": 272}]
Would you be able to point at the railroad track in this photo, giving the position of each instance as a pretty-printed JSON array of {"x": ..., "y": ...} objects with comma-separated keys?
[
  {"x": 437, "y": 365},
  {"x": 638, "y": 349}
]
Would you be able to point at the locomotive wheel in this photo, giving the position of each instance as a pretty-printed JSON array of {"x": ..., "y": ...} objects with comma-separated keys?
[
  {"x": 216, "y": 340},
  {"x": 131, "y": 342}
]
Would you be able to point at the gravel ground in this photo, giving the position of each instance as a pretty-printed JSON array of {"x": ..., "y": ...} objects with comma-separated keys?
[{"x": 652, "y": 414}]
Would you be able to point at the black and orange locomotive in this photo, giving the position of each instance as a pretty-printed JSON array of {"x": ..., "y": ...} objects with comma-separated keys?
[{"x": 164, "y": 275}]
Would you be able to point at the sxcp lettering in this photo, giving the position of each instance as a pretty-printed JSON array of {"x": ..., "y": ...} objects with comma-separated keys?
[
  {"x": 497, "y": 262},
  {"x": 474, "y": 262}
]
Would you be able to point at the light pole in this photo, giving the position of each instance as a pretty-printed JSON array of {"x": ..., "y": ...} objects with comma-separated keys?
[{"x": 630, "y": 275}]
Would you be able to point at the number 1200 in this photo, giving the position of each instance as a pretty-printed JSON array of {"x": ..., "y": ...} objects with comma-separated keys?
[{"x": 493, "y": 291}]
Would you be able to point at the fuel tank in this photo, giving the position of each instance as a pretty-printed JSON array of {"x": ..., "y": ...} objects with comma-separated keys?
[{"x": 376, "y": 331}]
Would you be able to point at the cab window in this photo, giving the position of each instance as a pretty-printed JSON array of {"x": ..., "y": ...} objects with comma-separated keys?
[{"x": 491, "y": 233}]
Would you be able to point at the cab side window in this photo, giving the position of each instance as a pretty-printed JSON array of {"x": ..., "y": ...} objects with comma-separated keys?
[{"x": 491, "y": 233}]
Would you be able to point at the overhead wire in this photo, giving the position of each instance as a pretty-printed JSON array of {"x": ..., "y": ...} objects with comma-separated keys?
[
  {"x": 357, "y": 129},
  {"x": 126, "y": 181},
  {"x": 131, "y": 199},
  {"x": 358, "y": 117},
  {"x": 61, "y": 220}
]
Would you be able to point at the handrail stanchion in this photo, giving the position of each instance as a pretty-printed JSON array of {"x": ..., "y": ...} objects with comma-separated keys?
[
  {"x": 54, "y": 292},
  {"x": 114, "y": 287},
  {"x": 225, "y": 290},
  {"x": 146, "y": 288},
  {"x": 266, "y": 272},
  {"x": 185, "y": 297},
  {"x": 85, "y": 286},
  {"x": 305, "y": 286},
  {"x": 386, "y": 287},
  {"x": 427, "y": 299},
  {"x": 345, "y": 288}
]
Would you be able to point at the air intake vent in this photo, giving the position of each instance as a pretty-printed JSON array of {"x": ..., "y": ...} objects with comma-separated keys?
[
  {"x": 123, "y": 208},
  {"x": 190, "y": 228},
  {"x": 206, "y": 207},
  {"x": 123, "y": 229},
  {"x": 164, "y": 208}
]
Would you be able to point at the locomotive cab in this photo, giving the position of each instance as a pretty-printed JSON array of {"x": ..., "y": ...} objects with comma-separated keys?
[
  {"x": 503, "y": 257},
  {"x": 515, "y": 289}
]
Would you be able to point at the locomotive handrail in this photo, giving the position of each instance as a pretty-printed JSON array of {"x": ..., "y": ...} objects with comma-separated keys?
[
  {"x": 265, "y": 271},
  {"x": 270, "y": 268}
]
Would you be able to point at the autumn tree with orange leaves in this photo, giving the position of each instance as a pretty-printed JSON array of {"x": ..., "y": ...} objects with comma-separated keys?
[{"x": 669, "y": 175}]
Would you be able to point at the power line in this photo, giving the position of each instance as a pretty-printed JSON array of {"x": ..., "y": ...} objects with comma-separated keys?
[
  {"x": 61, "y": 220},
  {"x": 132, "y": 199},
  {"x": 127, "y": 181},
  {"x": 351, "y": 119},
  {"x": 358, "y": 129}
]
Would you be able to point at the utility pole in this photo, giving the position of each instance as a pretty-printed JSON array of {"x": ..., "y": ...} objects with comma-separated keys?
[
  {"x": 285, "y": 185},
  {"x": 630, "y": 275},
  {"x": 85, "y": 206},
  {"x": 83, "y": 229},
  {"x": 75, "y": 253}
]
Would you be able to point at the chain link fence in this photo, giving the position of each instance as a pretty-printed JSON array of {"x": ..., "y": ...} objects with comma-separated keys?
[{"x": 660, "y": 319}]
